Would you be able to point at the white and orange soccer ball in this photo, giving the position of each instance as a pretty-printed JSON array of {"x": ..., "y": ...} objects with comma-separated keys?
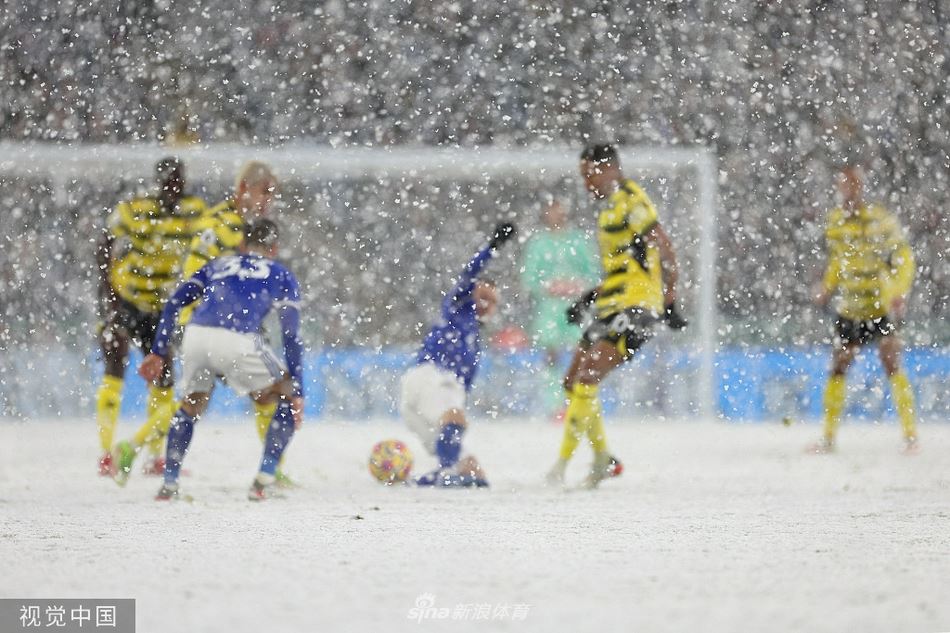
[{"x": 390, "y": 462}]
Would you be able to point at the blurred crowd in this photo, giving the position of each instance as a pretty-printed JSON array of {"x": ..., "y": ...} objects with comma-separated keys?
[{"x": 785, "y": 91}]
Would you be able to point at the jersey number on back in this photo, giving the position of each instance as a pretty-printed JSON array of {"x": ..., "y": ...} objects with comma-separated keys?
[{"x": 255, "y": 269}]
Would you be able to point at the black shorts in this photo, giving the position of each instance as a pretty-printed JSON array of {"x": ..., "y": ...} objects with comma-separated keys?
[
  {"x": 138, "y": 325},
  {"x": 863, "y": 332},
  {"x": 627, "y": 330}
]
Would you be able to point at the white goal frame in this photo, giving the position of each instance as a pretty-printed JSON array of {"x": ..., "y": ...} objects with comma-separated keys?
[{"x": 62, "y": 163}]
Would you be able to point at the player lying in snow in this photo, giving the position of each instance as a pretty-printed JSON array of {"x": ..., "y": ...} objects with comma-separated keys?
[
  {"x": 223, "y": 339},
  {"x": 432, "y": 398}
]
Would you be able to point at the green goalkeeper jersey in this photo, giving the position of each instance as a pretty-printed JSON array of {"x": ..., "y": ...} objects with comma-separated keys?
[{"x": 552, "y": 259}]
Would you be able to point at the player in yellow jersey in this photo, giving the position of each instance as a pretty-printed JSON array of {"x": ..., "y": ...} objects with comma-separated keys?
[
  {"x": 870, "y": 270},
  {"x": 638, "y": 290},
  {"x": 219, "y": 231},
  {"x": 139, "y": 259}
]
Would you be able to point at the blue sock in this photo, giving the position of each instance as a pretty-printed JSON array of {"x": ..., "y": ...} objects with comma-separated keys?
[
  {"x": 449, "y": 445},
  {"x": 179, "y": 439},
  {"x": 279, "y": 432}
]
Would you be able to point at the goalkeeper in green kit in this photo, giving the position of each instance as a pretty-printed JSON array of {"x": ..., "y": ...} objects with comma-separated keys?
[{"x": 560, "y": 263}]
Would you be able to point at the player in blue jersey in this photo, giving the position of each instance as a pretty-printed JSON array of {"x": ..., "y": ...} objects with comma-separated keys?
[
  {"x": 223, "y": 339},
  {"x": 433, "y": 392}
]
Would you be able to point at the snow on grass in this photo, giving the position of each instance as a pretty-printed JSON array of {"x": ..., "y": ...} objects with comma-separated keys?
[{"x": 713, "y": 527}]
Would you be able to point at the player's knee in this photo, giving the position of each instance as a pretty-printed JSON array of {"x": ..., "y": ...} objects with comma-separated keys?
[
  {"x": 840, "y": 368},
  {"x": 841, "y": 361},
  {"x": 891, "y": 361},
  {"x": 453, "y": 416},
  {"x": 468, "y": 466},
  {"x": 195, "y": 404},
  {"x": 282, "y": 389},
  {"x": 569, "y": 380},
  {"x": 115, "y": 354},
  {"x": 115, "y": 364},
  {"x": 590, "y": 374}
]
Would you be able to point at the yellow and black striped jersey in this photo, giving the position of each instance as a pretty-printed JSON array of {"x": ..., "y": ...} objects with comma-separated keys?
[
  {"x": 150, "y": 244},
  {"x": 633, "y": 277},
  {"x": 869, "y": 261},
  {"x": 219, "y": 231}
]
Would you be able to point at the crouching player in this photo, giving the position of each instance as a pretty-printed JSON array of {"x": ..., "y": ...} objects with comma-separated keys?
[
  {"x": 432, "y": 399},
  {"x": 223, "y": 339}
]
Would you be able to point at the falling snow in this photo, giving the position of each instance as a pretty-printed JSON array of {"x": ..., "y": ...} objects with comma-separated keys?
[{"x": 779, "y": 95}]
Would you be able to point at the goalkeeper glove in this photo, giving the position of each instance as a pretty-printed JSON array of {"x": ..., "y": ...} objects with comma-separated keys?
[
  {"x": 503, "y": 232},
  {"x": 575, "y": 313},
  {"x": 674, "y": 320}
]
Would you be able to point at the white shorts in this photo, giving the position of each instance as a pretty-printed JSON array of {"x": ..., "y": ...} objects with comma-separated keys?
[
  {"x": 426, "y": 393},
  {"x": 243, "y": 360}
]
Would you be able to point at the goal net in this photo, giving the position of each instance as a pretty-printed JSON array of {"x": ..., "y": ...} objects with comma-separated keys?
[{"x": 376, "y": 236}]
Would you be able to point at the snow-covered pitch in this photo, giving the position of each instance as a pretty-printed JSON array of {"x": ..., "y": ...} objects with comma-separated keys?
[{"x": 713, "y": 527}]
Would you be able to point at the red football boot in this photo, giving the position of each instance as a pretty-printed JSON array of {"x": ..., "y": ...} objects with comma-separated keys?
[
  {"x": 105, "y": 465},
  {"x": 154, "y": 467}
]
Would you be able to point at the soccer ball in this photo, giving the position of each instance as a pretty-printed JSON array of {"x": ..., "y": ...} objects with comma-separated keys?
[{"x": 390, "y": 462}]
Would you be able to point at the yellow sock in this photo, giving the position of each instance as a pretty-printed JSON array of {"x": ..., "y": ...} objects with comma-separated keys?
[
  {"x": 572, "y": 433},
  {"x": 108, "y": 402},
  {"x": 834, "y": 404},
  {"x": 903, "y": 396},
  {"x": 582, "y": 406},
  {"x": 263, "y": 415},
  {"x": 595, "y": 428},
  {"x": 161, "y": 408}
]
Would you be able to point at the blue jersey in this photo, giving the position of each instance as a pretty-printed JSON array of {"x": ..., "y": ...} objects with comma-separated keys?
[
  {"x": 240, "y": 290},
  {"x": 453, "y": 342},
  {"x": 237, "y": 293}
]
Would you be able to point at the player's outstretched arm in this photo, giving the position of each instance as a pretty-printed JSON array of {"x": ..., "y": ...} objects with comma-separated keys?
[
  {"x": 670, "y": 271},
  {"x": 466, "y": 283},
  {"x": 186, "y": 294},
  {"x": 503, "y": 232}
]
